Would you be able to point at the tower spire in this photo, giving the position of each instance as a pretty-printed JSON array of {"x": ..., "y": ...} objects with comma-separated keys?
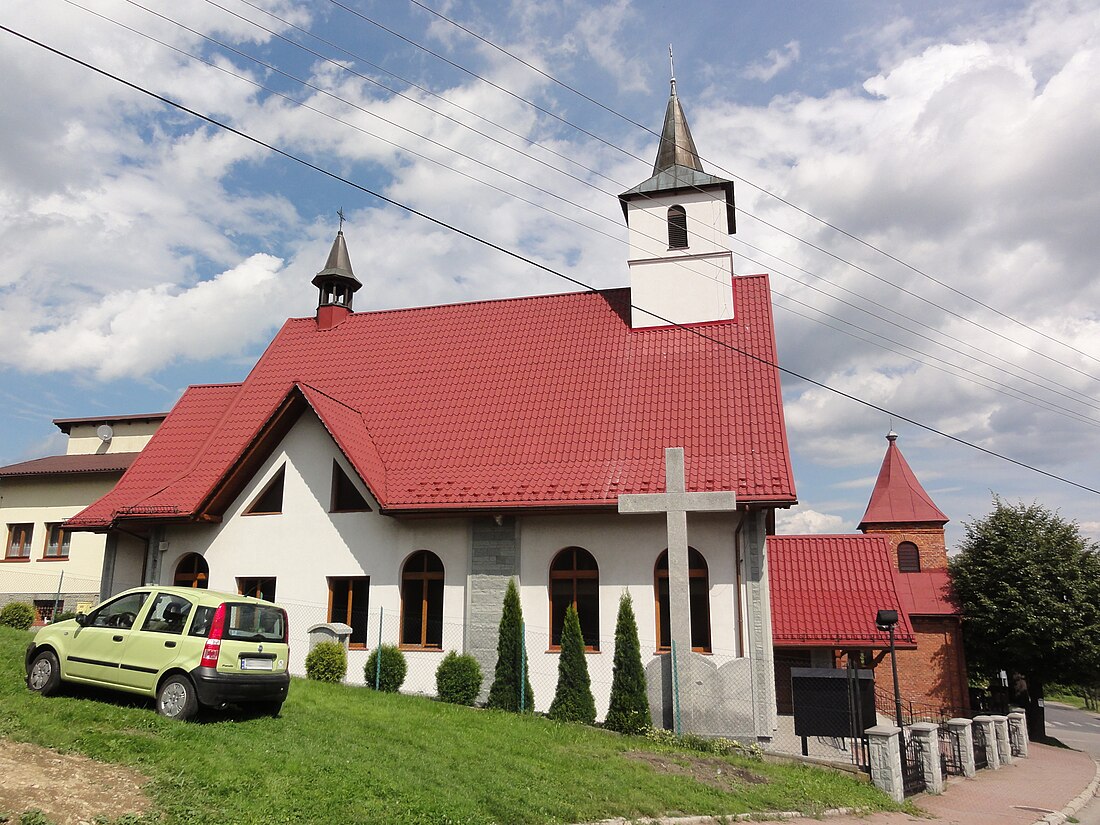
[
  {"x": 677, "y": 147},
  {"x": 336, "y": 283}
]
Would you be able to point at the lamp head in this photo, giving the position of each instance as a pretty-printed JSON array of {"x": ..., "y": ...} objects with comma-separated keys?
[{"x": 886, "y": 619}]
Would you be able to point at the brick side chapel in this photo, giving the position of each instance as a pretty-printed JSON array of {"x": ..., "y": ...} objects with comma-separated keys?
[{"x": 900, "y": 511}]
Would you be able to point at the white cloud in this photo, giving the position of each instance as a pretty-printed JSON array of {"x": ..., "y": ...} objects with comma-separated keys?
[
  {"x": 803, "y": 521},
  {"x": 777, "y": 60}
]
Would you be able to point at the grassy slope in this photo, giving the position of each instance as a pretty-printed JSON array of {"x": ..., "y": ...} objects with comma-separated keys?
[{"x": 342, "y": 754}]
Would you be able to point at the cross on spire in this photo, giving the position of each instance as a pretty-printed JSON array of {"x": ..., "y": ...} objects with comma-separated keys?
[
  {"x": 340, "y": 214},
  {"x": 671, "y": 68}
]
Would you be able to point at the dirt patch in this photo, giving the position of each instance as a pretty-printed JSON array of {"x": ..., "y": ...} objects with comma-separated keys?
[
  {"x": 710, "y": 770},
  {"x": 69, "y": 789}
]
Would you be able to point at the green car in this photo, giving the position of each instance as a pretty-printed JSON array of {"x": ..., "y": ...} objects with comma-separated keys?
[{"x": 185, "y": 647}]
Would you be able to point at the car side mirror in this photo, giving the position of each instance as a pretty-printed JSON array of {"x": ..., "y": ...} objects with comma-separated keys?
[{"x": 81, "y": 619}]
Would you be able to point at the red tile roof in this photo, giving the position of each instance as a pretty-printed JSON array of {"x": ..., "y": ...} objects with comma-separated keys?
[
  {"x": 827, "y": 590},
  {"x": 70, "y": 464},
  {"x": 928, "y": 593},
  {"x": 898, "y": 497},
  {"x": 549, "y": 401}
]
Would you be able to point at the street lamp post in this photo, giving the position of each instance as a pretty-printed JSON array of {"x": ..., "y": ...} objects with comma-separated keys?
[{"x": 886, "y": 620}]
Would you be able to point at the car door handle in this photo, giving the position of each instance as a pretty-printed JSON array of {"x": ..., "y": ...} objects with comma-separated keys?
[
  {"x": 116, "y": 638},
  {"x": 169, "y": 644}
]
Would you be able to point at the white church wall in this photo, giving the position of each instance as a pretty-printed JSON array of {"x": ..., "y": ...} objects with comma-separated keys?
[
  {"x": 706, "y": 224},
  {"x": 305, "y": 544},
  {"x": 626, "y": 549}
]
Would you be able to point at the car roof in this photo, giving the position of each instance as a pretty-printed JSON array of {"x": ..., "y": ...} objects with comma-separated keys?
[{"x": 203, "y": 596}]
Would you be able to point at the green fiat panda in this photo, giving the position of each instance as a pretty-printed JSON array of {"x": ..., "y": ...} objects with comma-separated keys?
[{"x": 183, "y": 646}]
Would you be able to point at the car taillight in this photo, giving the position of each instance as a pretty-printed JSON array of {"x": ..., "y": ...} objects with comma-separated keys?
[
  {"x": 214, "y": 641},
  {"x": 286, "y": 629}
]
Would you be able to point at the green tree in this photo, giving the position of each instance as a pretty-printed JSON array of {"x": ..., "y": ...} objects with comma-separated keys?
[
  {"x": 1029, "y": 584},
  {"x": 511, "y": 670},
  {"x": 573, "y": 700},
  {"x": 628, "y": 711}
]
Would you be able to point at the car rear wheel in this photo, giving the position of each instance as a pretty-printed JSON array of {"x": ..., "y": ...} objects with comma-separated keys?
[
  {"x": 176, "y": 699},
  {"x": 45, "y": 673}
]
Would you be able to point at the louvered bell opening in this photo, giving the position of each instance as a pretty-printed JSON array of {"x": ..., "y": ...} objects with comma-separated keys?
[{"x": 677, "y": 228}]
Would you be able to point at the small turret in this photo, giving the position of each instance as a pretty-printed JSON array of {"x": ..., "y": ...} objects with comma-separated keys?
[{"x": 336, "y": 285}]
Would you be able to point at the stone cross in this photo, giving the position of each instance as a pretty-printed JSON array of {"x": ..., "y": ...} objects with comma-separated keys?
[{"x": 676, "y": 503}]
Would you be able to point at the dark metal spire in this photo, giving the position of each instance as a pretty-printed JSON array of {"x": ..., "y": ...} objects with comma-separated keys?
[
  {"x": 677, "y": 148},
  {"x": 338, "y": 265}
]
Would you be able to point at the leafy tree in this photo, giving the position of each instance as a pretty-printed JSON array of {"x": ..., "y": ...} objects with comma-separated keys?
[
  {"x": 629, "y": 708},
  {"x": 573, "y": 700},
  {"x": 1029, "y": 584},
  {"x": 511, "y": 670}
]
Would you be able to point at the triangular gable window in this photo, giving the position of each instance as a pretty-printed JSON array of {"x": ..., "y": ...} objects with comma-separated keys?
[
  {"x": 270, "y": 501},
  {"x": 345, "y": 495}
]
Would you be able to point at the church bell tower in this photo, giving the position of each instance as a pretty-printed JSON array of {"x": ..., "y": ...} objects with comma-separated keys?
[
  {"x": 336, "y": 285},
  {"x": 681, "y": 267}
]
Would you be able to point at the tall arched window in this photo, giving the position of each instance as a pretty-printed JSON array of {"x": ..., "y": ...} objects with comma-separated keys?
[
  {"x": 422, "y": 601},
  {"x": 677, "y": 227},
  {"x": 908, "y": 558},
  {"x": 575, "y": 580},
  {"x": 698, "y": 593},
  {"x": 192, "y": 571}
]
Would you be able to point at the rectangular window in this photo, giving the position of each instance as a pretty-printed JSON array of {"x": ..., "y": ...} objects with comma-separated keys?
[
  {"x": 19, "y": 541},
  {"x": 57, "y": 545},
  {"x": 348, "y": 601},
  {"x": 259, "y": 587},
  {"x": 43, "y": 611}
]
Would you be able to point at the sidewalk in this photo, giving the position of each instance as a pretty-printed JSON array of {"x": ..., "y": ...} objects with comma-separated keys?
[{"x": 1026, "y": 792}]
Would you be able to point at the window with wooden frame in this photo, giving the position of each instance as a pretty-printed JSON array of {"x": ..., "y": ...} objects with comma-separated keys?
[
  {"x": 57, "y": 543},
  {"x": 258, "y": 587},
  {"x": 677, "y": 227},
  {"x": 192, "y": 571},
  {"x": 346, "y": 497},
  {"x": 575, "y": 580},
  {"x": 699, "y": 598},
  {"x": 270, "y": 500},
  {"x": 422, "y": 601},
  {"x": 348, "y": 599},
  {"x": 908, "y": 557},
  {"x": 18, "y": 547}
]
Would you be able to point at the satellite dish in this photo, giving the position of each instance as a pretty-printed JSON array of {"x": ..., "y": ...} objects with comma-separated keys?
[{"x": 105, "y": 433}]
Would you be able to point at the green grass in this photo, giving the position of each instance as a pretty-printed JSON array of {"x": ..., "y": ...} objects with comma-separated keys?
[{"x": 343, "y": 754}]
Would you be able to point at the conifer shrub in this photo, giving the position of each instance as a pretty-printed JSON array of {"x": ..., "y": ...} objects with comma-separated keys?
[
  {"x": 573, "y": 700},
  {"x": 511, "y": 675},
  {"x": 458, "y": 679},
  {"x": 391, "y": 675},
  {"x": 628, "y": 710},
  {"x": 327, "y": 662},
  {"x": 19, "y": 615}
]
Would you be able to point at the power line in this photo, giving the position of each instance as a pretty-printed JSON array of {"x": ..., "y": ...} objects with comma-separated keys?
[
  {"x": 761, "y": 189},
  {"x": 1022, "y": 396},
  {"x": 522, "y": 258}
]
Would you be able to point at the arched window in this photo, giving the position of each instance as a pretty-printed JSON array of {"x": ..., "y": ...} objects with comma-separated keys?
[
  {"x": 908, "y": 557},
  {"x": 192, "y": 571},
  {"x": 422, "y": 601},
  {"x": 575, "y": 580},
  {"x": 698, "y": 593},
  {"x": 677, "y": 227}
]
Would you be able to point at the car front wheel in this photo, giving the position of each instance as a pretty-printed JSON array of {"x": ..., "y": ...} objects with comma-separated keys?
[
  {"x": 45, "y": 673},
  {"x": 176, "y": 699}
]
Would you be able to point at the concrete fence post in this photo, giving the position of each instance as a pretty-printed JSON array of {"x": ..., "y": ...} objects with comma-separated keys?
[
  {"x": 991, "y": 750},
  {"x": 884, "y": 743},
  {"x": 927, "y": 735},
  {"x": 960, "y": 730},
  {"x": 1004, "y": 746},
  {"x": 1017, "y": 723}
]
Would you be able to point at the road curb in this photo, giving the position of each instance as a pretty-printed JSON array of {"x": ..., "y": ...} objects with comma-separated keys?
[
  {"x": 1075, "y": 804},
  {"x": 721, "y": 819}
]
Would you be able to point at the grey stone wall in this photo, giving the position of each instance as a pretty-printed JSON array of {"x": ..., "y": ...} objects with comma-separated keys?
[{"x": 494, "y": 558}]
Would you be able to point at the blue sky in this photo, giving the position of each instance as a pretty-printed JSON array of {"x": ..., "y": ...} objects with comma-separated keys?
[{"x": 146, "y": 251}]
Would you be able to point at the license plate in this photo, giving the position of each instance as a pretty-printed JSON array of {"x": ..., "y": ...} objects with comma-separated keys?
[{"x": 256, "y": 664}]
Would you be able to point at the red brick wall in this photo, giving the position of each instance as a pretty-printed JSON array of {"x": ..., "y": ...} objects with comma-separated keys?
[
  {"x": 934, "y": 674},
  {"x": 929, "y": 540}
]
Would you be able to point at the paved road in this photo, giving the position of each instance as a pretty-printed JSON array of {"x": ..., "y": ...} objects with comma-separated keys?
[{"x": 1081, "y": 730}]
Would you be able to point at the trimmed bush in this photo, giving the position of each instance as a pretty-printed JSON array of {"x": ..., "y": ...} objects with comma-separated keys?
[
  {"x": 327, "y": 662},
  {"x": 628, "y": 710},
  {"x": 19, "y": 615},
  {"x": 511, "y": 676},
  {"x": 63, "y": 615},
  {"x": 573, "y": 700},
  {"x": 458, "y": 679},
  {"x": 392, "y": 673}
]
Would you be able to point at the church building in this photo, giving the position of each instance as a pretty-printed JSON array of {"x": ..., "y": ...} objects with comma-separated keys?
[{"x": 390, "y": 471}]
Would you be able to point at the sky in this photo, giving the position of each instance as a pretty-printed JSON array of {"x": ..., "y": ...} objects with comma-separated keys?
[{"x": 920, "y": 180}]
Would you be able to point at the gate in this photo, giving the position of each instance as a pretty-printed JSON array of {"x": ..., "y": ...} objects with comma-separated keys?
[
  {"x": 912, "y": 765},
  {"x": 950, "y": 752},
  {"x": 980, "y": 760}
]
